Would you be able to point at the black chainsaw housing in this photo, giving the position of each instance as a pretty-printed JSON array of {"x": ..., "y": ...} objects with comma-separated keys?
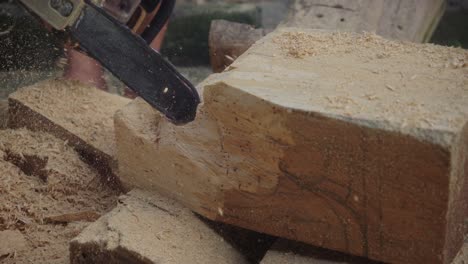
[{"x": 136, "y": 64}]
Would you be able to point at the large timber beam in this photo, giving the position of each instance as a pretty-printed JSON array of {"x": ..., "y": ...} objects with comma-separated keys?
[{"x": 344, "y": 141}]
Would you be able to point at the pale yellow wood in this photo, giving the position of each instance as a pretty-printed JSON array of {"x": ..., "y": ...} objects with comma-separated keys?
[
  {"x": 348, "y": 142},
  {"x": 411, "y": 20},
  {"x": 149, "y": 228}
]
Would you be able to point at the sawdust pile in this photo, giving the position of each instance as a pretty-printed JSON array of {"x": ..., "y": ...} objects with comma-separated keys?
[
  {"x": 3, "y": 113},
  {"x": 372, "y": 81},
  {"x": 47, "y": 193},
  {"x": 86, "y": 111}
]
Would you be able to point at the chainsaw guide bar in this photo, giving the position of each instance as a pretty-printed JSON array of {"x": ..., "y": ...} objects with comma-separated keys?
[{"x": 128, "y": 57}]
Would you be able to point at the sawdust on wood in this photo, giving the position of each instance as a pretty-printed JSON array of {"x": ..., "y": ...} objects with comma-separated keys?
[
  {"x": 84, "y": 110},
  {"x": 416, "y": 89},
  {"x": 303, "y": 44},
  {"x": 156, "y": 229},
  {"x": 41, "y": 176}
]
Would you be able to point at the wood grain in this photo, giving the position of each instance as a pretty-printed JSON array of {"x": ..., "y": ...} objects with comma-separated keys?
[
  {"x": 411, "y": 20},
  {"x": 302, "y": 138}
]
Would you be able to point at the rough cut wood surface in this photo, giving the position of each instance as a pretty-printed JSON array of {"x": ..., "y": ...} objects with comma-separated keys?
[
  {"x": 79, "y": 114},
  {"x": 348, "y": 142},
  {"x": 412, "y": 20},
  {"x": 148, "y": 228},
  {"x": 228, "y": 40}
]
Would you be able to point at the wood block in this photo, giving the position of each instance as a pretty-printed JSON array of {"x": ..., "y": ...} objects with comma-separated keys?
[
  {"x": 228, "y": 40},
  {"x": 146, "y": 228},
  {"x": 412, "y": 20},
  {"x": 76, "y": 113},
  {"x": 348, "y": 142}
]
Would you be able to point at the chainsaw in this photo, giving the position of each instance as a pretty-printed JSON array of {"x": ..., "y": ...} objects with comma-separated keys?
[{"x": 106, "y": 30}]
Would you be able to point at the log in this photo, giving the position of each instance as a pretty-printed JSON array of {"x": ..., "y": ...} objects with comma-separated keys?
[
  {"x": 229, "y": 40},
  {"x": 147, "y": 228},
  {"x": 79, "y": 114},
  {"x": 411, "y": 20},
  {"x": 345, "y": 141}
]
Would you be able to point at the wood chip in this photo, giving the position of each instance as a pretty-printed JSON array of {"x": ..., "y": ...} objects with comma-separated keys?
[
  {"x": 389, "y": 87},
  {"x": 86, "y": 216}
]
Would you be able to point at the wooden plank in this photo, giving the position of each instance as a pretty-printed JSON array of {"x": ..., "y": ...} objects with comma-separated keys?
[
  {"x": 148, "y": 228},
  {"x": 349, "y": 142},
  {"x": 414, "y": 20},
  {"x": 79, "y": 114},
  {"x": 411, "y": 20}
]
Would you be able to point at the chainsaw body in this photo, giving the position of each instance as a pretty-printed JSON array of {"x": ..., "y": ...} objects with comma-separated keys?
[{"x": 105, "y": 30}]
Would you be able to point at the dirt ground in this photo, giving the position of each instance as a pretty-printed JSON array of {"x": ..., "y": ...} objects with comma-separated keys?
[{"x": 47, "y": 197}]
